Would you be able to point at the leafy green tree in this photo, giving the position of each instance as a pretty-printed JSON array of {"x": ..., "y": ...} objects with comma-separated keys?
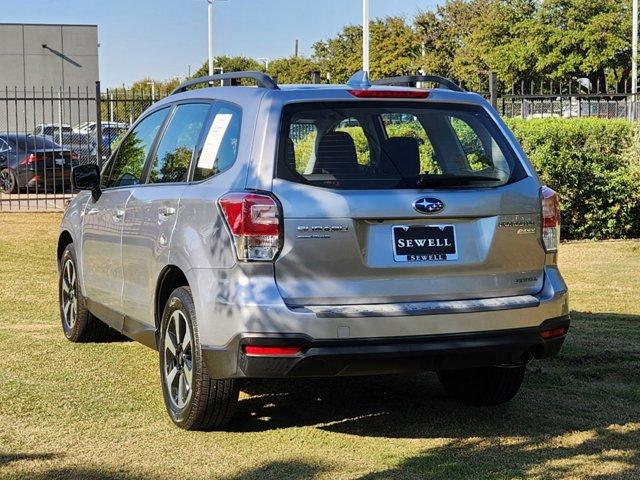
[
  {"x": 584, "y": 38},
  {"x": 394, "y": 50},
  {"x": 293, "y": 69},
  {"x": 229, "y": 64}
]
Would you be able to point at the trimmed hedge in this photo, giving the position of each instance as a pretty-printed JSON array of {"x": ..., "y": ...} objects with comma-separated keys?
[{"x": 594, "y": 164}]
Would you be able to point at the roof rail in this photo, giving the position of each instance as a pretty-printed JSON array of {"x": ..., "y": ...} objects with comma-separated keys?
[
  {"x": 411, "y": 80},
  {"x": 263, "y": 80}
]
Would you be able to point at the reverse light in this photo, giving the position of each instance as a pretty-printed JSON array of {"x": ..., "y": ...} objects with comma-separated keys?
[
  {"x": 550, "y": 219},
  {"x": 555, "y": 333},
  {"x": 271, "y": 351},
  {"x": 367, "y": 93},
  {"x": 254, "y": 222}
]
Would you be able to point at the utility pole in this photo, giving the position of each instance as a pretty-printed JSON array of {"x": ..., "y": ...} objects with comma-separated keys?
[
  {"x": 210, "y": 18},
  {"x": 365, "y": 35},
  {"x": 634, "y": 63}
]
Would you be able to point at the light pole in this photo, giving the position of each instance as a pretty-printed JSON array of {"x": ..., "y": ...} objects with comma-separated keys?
[
  {"x": 365, "y": 35},
  {"x": 153, "y": 90},
  {"x": 265, "y": 62},
  {"x": 634, "y": 62},
  {"x": 210, "y": 17}
]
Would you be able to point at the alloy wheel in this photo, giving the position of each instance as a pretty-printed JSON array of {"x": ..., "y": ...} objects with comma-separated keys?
[
  {"x": 69, "y": 294},
  {"x": 178, "y": 360}
]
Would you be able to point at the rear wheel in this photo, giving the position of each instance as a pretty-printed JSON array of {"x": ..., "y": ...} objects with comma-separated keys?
[
  {"x": 194, "y": 400},
  {"x": 483, "y": 385},
  {"x": 8, "y": 181},
  {"x": 78, "y": 324}
]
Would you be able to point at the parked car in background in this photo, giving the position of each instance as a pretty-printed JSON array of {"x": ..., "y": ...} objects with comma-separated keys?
[
  {"x": 34, "y": 163},
  {"x": 309, "y": 231},
  {"x": 65, "y": 136},
  {"x": 88, "y": 127},
  {"x": 110, "y": 132}
]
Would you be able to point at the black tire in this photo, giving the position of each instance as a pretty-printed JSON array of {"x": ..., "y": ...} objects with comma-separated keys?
[
  {"x": 483, "y": 385},
  {"x": 86, "y": 327},
  {"x": 8, "y": 181},
  {"x": 209, "y": 403}
]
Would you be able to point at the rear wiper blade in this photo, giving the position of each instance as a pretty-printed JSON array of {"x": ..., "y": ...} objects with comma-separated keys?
[{"x": 452, "y": 180}]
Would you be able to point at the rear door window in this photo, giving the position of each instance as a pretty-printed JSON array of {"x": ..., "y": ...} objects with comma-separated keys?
[
  {"x": 369, "y": 145},
  {"x": 176, "y": 149}
]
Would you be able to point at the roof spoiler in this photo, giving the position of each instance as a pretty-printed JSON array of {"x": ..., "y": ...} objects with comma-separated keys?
[{"x": 412, "y": 80}]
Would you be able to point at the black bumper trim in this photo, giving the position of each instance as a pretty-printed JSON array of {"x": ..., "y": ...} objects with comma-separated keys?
[{"x": 338, "y": 357}]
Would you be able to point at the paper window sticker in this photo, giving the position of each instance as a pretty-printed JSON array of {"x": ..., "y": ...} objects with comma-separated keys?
[{"x": 214, "y": 140}]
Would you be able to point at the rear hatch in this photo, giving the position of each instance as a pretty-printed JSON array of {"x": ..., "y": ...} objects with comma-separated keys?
[{"x": 387, "y": 202}]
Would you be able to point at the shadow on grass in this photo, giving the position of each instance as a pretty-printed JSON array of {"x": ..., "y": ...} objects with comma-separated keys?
[
  {"x": 273, "y": 470},
  {"x": 590, "y": 393},
  {"x": 7, "y": 458}
]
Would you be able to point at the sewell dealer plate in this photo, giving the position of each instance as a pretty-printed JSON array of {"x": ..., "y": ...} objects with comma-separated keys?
[{"x": 424, "y": 243}]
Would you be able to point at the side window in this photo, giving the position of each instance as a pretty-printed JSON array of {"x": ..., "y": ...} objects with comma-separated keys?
[
  {"x": 403, "y": 125},
  {"x": 127, "y": 165},
  {"x": 173, "y": 155},
  {"x": 356, "y": 132},
  {"x": 221, "y": 144}
]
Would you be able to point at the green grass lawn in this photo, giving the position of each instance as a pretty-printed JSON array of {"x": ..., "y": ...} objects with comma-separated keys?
[{"x": 96, "y": 411}]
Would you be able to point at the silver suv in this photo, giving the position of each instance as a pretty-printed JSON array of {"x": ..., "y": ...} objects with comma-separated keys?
[{"x": 316, "y": 230}]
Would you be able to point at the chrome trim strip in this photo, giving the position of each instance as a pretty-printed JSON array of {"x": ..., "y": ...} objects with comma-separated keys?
[{"x": 422, "y": 308}]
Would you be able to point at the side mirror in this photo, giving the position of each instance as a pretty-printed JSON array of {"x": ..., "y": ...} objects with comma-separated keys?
[{"x": 87, "y": 177}]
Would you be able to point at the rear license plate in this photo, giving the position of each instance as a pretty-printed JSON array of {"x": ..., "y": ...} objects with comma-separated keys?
[
  {"x": 60, "y": 161},
  {"x": 424, "y": 243}
]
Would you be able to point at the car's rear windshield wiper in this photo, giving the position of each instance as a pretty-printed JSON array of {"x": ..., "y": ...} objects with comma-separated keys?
[{"x": 452, "y": 180}]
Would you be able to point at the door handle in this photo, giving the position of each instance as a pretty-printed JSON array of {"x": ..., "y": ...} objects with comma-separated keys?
[
  {"x": 118, "y": 214},
  {"x": 166, "y": 211}
]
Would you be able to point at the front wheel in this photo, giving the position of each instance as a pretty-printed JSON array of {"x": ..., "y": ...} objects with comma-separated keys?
[
  {"x": 194, "y": 400},
  {"x": 483, "y": 385}
]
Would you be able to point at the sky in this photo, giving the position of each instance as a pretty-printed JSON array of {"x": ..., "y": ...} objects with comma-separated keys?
[{"x": 163, "y": 38}]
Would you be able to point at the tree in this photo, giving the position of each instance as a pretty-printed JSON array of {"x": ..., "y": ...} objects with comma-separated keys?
[
  {"x": 583, "y": 38},
  {"x": 229, "y": 64},
  {"x": 395, "y": 50},
  {"x": 293, "y": 69}
]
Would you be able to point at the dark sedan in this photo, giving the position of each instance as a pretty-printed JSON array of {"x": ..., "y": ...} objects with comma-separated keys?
[{"x": 34, "y": 163}]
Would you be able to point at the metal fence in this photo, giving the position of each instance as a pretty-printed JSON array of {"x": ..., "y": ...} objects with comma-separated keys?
[{"x": 45, "y": 132}]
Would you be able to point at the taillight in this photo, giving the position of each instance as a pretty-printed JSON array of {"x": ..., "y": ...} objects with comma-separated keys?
[
  {"x": 550, "y": 219},
  {"x": 254, "y": 222},
  {"x": 32, "y": 158},
  {"x": 367, "y": 93},
  {"x": 74, "y": 156}
]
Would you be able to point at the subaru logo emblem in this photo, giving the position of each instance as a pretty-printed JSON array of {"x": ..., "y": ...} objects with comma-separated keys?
[{"x": 428, "y": 205}]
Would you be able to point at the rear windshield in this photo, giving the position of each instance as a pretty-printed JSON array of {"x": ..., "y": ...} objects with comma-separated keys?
[{"x": 393, "y": 145}]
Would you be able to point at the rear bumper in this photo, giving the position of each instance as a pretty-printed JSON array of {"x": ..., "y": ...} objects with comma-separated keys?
[
  {"x": 58, "y": 179},
  {"x": 319, "y": 358},
  {"x": 348, "y": 340}
]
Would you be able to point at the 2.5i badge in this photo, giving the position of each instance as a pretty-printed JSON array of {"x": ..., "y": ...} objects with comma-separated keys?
[{"x": 424, "y": 243}]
